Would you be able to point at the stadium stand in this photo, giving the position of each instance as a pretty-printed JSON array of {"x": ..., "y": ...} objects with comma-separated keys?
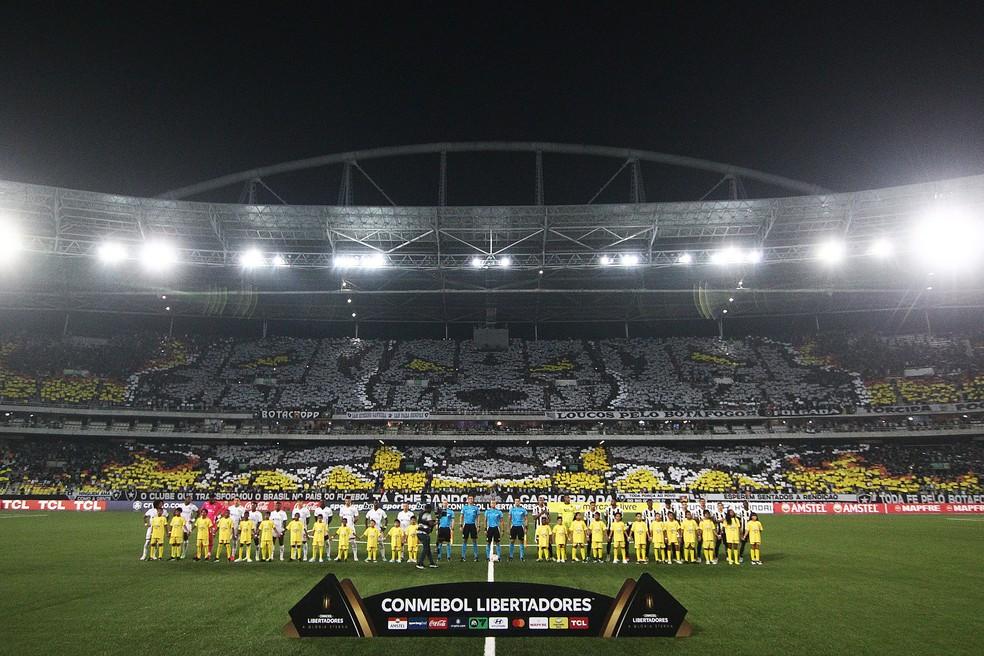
[
  {"x": 60, "y": 466},
  {"x": 826, "y": 372}
]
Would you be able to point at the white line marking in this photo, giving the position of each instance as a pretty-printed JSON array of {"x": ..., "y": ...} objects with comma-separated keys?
[
  {"x": 490, "y": 642},
  {"x": 6, "y": 516}
]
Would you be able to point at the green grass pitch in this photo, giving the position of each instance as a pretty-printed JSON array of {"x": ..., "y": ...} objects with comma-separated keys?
[{"x": 73, "y": 584}]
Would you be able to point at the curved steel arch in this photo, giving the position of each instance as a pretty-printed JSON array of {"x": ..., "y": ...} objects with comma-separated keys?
[{"x": 495, "y": 146}]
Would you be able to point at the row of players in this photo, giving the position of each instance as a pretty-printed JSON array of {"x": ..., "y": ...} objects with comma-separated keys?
[{"x": 669, "y": 537}]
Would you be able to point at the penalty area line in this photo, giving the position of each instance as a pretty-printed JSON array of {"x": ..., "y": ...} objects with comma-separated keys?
[
  {"x": 490, "y": 642},
  {"x": 6, "y": 516}
]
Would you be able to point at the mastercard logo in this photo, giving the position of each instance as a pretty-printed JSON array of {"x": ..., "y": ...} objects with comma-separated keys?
[{"x": 518, "y": 623}]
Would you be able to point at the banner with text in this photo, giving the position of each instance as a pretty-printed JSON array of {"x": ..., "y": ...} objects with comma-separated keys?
[{"x": 642, "y": 608}]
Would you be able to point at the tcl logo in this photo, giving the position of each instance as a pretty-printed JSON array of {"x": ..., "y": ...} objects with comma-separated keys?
[
  {"x": 54, "y": 505},
  {"x": 578, "y": 623}
]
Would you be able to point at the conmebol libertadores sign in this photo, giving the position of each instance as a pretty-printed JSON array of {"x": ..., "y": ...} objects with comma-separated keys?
[{"x": 642, "y": 608}]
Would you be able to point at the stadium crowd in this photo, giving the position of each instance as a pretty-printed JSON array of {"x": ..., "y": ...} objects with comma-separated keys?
[
  {"x": 79, "y": 466},
  {"x": 829, "y": 371}
]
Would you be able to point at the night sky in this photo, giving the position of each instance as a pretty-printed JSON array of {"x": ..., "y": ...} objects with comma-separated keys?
[{"x": 139, "y": 98}]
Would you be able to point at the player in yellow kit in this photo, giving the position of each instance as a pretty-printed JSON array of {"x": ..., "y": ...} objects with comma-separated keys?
[
  {"x": 616, "y": 533},
  {"x": 658, "y": 539},
  {"x": 318, "y": 534},
  {"x": 543, "y": 533},
  {"x": 732, "y": 536},
  {"x": 560, "y": 540},
  {"x": 396, "y": 537},
  {"x": 689, "y": 529},
  {"x": 412, "y": 541},
  {"x": 371, "y": 534},
  {"x": 671, "y": 529},
  {"x": 158, "y": 530},
  {"x": 598, "y": 535},
  {"x": 640, "y": 536},
  {"x": 344, "y": 534},
  {"x": 296, "y": 531},
  {"x": 203, "y": 528},
  {"x": 224, "y": 530},
  {"x": 176, "y": 534},
  {"x": 268, "y": 531},
  {"x": 753, "y": 533},
  {"x": 579, "y": 538},
  {"x": 708, "y": 533},
  {"x": 246, "y": 529}
]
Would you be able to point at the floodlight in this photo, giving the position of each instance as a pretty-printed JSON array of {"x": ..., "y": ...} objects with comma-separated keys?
[
  {"x": 730, "y": 255},
  {"x": 629, "y": 259},
  {"x": 753, "y": 256},
  {"x": 477, "y": 262},
  {"x": 604, "y": 260},
  {"x": 880, "y": 248},
  {"x": 831, "y": 252},
  {"x": 685, "y": 258},
  {"x": 505, "y": 261},
  {"x": 948, "y": 237},
  {"x": 10, "y": 242},
  {"x": 374, "y": 261},
  {"x": 251, "y": 258},
  {"x": 111, "y": 252},
  {"x": 353, "y": 315},
  {"x": 346, "y": 261},
  {"x": 278, "y": 260},
  {"x": 158, "y": 255}
]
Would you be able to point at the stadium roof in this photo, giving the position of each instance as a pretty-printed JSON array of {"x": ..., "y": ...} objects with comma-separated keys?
[{"x": 538, "y": 263}]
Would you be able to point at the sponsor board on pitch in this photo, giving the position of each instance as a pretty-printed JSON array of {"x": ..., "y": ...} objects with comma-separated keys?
[
  {"x": 506, "y": 609},
  {"x": 809, "y": 508},
  {"x": 55, "y": 505}
]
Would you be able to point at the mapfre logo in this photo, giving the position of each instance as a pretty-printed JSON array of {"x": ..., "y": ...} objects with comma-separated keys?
[
  {"x": 578, "y": 623},
  {"x": 437, "y": 623},
  {"x": 396, "y": 623},
  {"x": 538, "y": 623}
]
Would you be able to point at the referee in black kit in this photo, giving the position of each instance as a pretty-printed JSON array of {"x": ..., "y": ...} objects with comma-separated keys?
[{"x": 424, "y": 527}]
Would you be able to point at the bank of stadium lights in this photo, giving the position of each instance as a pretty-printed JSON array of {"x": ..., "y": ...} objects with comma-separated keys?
[
  {"x": 625, "y": 259},
  {"x": 111, "y": 253},
  {"x": 158, "y": 256},
  {"x": 371, "y": 261},
  {"x": 948, "y": 238},
  {"x": 505, "y": 262},
  {"x": 477, "y": 262},
  {"x": 831, "y": 252},
  {"x": 733, "y": 255},
  {"x": 10, "y": 242},
  {"x": 685, "y": 258},
  {"x": 278, "y": 260},
  {"x": 251, "y": 259}
]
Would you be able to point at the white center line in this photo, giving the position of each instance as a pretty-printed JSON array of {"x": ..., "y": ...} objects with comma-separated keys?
[{"x": 490, "y": 642}]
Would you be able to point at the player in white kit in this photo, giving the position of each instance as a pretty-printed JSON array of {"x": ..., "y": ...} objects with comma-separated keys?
[
  {"x": 350, "y": 514},
  {"x": 279, "y": 518},
  {"x": 189, "y": 512}
]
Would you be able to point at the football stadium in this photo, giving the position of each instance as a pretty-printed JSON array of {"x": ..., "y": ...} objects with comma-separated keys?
[
  {"x": 207, "y": 407},
  {"x": 432, "y": 389}
]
